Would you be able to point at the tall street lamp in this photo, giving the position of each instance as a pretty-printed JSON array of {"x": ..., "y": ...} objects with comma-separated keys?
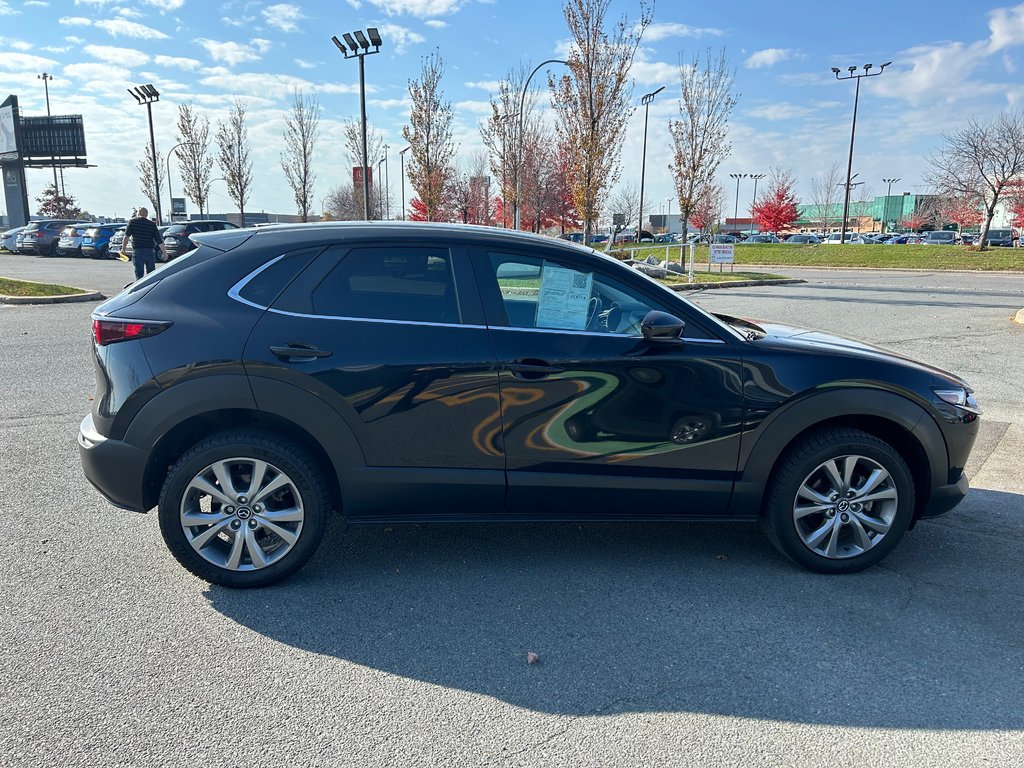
[
  {"x": 853, "y": 75},
  {"x": 885, "y": 205},
  {"x": 849, "y": 191},
  {"x": 736, "y": 209},
  {"x": 522, "y": 108},
  {"x": 46, "y": 78},
  {"x": 380, "y": 190},
  {"x": 359, "y": 47},
  {"x": 753, "y": 200},
  {"x": 148, "y": 95},
  {"x": 646, "y": 100},
  {"x": 401, "y": 158},
  {"x": 387, "y": 185},
  {"x": 170, "y": 194},
  {"x": 668, "y": 216}
]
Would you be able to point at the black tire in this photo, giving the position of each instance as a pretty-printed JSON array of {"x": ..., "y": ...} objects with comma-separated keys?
[
  {"x": 307, "y": 490},
  {"x": 802, "y": 467}
]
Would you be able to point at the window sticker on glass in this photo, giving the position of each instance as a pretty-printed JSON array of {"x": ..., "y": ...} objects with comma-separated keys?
[{"x": 564, "y": 295}]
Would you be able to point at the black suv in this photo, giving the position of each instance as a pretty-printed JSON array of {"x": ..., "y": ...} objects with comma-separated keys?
[
  {"x": 413, "y": 373},
  {"x": 178, "y": 237}
]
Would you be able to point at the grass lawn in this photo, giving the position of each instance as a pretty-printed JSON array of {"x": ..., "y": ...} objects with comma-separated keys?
[
  {"x": 720, "y": 277},
  {"x": 881, "y": 256},
  {"x": 12, "y": 287}
]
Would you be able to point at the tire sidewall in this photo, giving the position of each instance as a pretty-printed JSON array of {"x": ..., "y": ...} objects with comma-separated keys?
[
  {"x": 290, "y": 460},
  {"x": 779, "y": 515}
]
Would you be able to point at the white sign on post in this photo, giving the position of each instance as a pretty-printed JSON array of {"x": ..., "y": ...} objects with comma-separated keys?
[{"x": 721, "y": 253}]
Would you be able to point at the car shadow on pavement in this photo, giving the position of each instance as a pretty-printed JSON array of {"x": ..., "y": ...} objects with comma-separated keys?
[{"x": 667, "y": 617}]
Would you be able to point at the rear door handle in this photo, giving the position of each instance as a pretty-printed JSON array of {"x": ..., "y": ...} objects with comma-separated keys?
[
  {"x": 297, "y": 352},
  {"x": 528, "y": 368}
]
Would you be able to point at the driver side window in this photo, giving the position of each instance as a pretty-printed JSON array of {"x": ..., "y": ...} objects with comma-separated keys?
[{"x": 542, "y": 293}]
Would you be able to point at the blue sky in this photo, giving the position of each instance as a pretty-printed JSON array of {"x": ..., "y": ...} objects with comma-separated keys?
[{"x": 949, "y": 63}]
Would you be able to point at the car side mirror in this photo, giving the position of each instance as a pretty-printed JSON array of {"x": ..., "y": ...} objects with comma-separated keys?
[{"x": 661, "y": 327}]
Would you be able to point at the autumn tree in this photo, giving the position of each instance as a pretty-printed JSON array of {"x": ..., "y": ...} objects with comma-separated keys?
[
  {"x": 147, "y": 174},
  {"x": 195, "y": 166},
  {"x": 429, "y": 135},
  {"x": 563, "y": 207},
  {"x": 707, "y": 210},
  {"x": 302, "y": 128},
  {"x": 54, "y": 205},
  {"x": 916, "y": 221},
  {"x": 964, "y": 211},
  {"x": 470, "y": 191},
  {"x": 826, "y": 198},
  {"x": 593, "y": 102},
  {"x": 776, "y": 210},
  {"x": 233, "y": 156},
  {"x": 980, "y": 160},
  {"x": 700, "y": 136}
]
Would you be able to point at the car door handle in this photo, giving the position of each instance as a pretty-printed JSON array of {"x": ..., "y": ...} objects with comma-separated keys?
[
  {"x": 527, "y": 368},
  {"x": 296, "y": 352}
]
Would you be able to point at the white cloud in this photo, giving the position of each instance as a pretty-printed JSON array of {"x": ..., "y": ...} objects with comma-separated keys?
[
  {"x": 178, "y": 62},
  {"x": 16, "y": 45},
  {"x": 20, "y": 62},
  {"x": 436, "y": 24},
  {"x": 404, "y": 103},
  {"x": 663, "y": 30},
  {"x": 262, "y": 45},
  {"x": 54, "y": 49},
  {"x": 108, "y": 54},
  {"x": 124, "y": 28},
  {"x": 74, "y": 40},
  {"x": 419, "y": 8},
  {"x": 128, "y": 13},
  {"x": 165, "y": 5},
  {"x": 6, "y": 10},
  {"x": 780, "y": 111},
  {"x": 283, "y": 16},
  {"x": 74, "y": 21},
  {"x": 268, "y": 84},
  {"x": 491, "y": 86},
  {"x": 97, "y": 72},
  {"x": 769, "y": 57},
  {"x": 476, "y": 107},
  {"x": 303, "y": 64},
  {"x": 400, "y": 37},
  {"x": 36, "y": 4},
  {"x": 355, "y": 4},
  {"x": 229, "y": 52}
]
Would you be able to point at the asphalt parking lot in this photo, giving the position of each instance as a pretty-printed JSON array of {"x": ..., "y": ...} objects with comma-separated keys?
[{"x": 660, "y": 645}]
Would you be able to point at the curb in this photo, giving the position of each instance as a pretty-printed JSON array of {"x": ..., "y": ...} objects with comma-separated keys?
[
  {"x": 68, "y": 298},
  {"x": 737, "y": 284}
]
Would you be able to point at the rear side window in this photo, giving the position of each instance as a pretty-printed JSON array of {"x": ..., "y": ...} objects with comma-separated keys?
[
  {"x": 390, "y": 283},
  {"x": 264, "y": 288}
]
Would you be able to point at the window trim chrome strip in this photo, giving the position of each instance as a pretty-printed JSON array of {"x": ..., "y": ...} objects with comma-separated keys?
[{"x": 235, "y": 291}]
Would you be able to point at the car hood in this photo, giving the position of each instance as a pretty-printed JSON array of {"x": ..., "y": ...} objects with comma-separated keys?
[{"x": 789, "y": 336}]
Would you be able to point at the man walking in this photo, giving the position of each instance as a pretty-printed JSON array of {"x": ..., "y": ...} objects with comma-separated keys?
[{"x": 145, "y": 241}]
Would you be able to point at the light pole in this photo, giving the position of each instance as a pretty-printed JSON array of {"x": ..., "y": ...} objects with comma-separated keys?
[
  {"x": 668, "y": 216},
  {"x": 46, "y": 78},
  {"x": 646, "y": 100},
  {"x": 387, "y": 184},
  {"x": 736, "y": 209},
  {"x": 885, "y": 205},
  {"x": 753, "y": 201},
  {"x": 380, "y": 190},
  {"x": 170, "y": 194},
  {"x": 522, "y": 108},
  {"x": 853, "y": 75},
  {"x": 848, "y": 186},
  {"x": 359, "y": 47},
  {"x": 148, "y": 95},
  {"x": 401, "y": 158}
]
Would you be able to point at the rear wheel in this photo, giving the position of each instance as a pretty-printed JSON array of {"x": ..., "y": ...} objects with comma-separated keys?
[
  {"x": 840, "y": 501},
  {"x": 244, "y": 509}
]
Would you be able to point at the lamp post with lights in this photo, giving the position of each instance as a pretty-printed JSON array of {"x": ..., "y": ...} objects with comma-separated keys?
[
  {"x": 359, "y": 47},
  {"x": 646, "y": 100},
  {"x": 522, "y": 108},
  {"x": 380, "y": 190},
  {"x": 387, "y": 184},
  {"x": 170, "y": 194},
  {"x": 401, "y": 159},
  {"x": 46, "y": 78},
  {"x": 148, "y": 95},
  {"x": 753, "y": 200},
  {"x": 885, "y": 205},
  {"x": 853, "y": 75},
  {"x": 736, "y": 208}
]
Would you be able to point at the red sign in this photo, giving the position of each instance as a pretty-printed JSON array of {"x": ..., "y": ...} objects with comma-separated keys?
[{"x": 357, "y": 176}]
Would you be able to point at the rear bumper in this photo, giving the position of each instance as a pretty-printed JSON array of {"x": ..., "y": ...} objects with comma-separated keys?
[
  {"x": 116, "y": 469},
  {"x": 944, "y": 497}
]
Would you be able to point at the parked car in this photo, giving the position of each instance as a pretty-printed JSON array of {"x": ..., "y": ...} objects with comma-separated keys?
[
  {"x": 9, "y": 238},
  {"x": 178, "y": 237},
  {"x": 763, "y": 239},
  {"x": 97, "y": 239},
  {"x": 434, "y": 372},
  {"x": 70, "y": 242},
  {"x": 967, "y": 238},
  {"x": 1000, "y": 238},
  {"x": 939, "y": 237},
  {"x": 725, "y": 239},
  {"x": 803, "y": 240},
  {"x": 836, "y": 238},
  {"x": 41, "y": 237}
]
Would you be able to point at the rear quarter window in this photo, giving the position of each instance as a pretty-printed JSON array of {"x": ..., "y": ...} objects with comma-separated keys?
[{"x": 263, "y": 287}]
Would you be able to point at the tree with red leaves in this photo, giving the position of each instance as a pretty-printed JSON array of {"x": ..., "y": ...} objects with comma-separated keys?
[
  {"x": 916, "y": 221},
  {"x": 707, "y": 209},
  {"x": 777, "y": 210},
  {"x": 964, "y": 211}
]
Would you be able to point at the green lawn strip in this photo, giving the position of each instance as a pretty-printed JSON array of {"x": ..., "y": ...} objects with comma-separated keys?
[
  {"x": 11, "y": 287},
  {"x": 877, "y": 256},
  {"x": 721, "y": 277}
]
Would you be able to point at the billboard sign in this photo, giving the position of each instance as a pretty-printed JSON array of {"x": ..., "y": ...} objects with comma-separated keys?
[
  {"x": 178, "y": 206},
  {"x": 8, "y": 144}
]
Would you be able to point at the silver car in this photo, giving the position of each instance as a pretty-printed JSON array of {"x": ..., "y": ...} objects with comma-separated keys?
[{"x": 8, "y": 238}]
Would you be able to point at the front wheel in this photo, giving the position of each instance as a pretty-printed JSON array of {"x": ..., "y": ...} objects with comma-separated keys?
[
  {"x": 840, "y": 501},
  {"x": 244, "y": 509}
]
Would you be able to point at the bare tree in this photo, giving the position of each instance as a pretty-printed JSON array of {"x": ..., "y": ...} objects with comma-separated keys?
[
  {"x": 700, "y": 135},
  {"x": 592, "y": 102},
  {"x": 344, "y": 203},
  {"x": 233, "y": 156},
  {"x": 352, "y": 130},
  {"x": 146, "y": 172},
  {"x": 625, "y": 200},
  {"x": 429, "y": 135},
  {"x": 301, "y": 132},
  {"x": 826, "y": 196},
  {"x": 979, "y": 161},
  {"x": 194, "y": 162}
]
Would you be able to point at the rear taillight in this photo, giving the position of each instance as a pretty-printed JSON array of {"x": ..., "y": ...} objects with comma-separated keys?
[{"x": 111, "y": 331}]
